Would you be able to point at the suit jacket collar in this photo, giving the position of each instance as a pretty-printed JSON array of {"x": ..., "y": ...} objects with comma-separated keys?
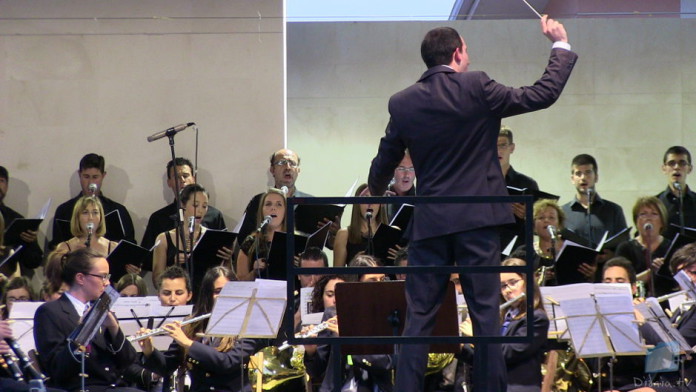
[{"x": 436, "y": 69}]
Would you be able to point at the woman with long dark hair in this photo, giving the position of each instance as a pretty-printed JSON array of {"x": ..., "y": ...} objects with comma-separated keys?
[{"x": 218, "y": 364}]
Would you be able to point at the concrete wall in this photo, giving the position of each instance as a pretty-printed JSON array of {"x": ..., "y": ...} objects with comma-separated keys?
[{"x": 80, "y": 76}]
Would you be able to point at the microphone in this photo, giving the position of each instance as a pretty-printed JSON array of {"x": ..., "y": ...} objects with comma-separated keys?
[
  {"x": 191, "y": 221},
  {"x": 92, "y": 189},
  {"x": 266, "y": 220},
  {"x": 553, "y": 232},
  {"x": 368, "y": 214},
  {"x": 90, "y": 229},
  {"x": 677, "y": 186},
  {"x": 169, "y": 132},
  {"x": 284, "y": 189},
  {"x": 648, "y": 226},
  {"x": 589, "y": 192}
]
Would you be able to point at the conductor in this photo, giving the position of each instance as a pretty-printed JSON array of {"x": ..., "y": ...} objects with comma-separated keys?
[{"x": 449, "y": 121}]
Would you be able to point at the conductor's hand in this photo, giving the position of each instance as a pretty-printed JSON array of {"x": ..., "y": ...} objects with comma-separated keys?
[
  {"x": 175, "y": 331},
  {"x": 553, "y": 30}
]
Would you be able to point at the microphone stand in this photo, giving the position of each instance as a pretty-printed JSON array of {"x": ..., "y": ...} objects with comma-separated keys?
[
  {"x": 370, "y": 244},
  {"x": 681, "y": 207},
  {"x": 589, "y": 216},
  {"x": 179, "y": 227},
  {"x": 648, "y": 260}
]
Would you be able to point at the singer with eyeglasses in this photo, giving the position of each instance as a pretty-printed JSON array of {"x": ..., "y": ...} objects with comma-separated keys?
[
  {"x": 87, "y": 226},
  {"x": 86, "y": 271},
  {"x": 194, "y": 200},
  {"x": 253, "y": 253},
  {"x": 647, "y": 250},
  {"x": 355, "y": 239},
  {"x": 678, "y": 198}
]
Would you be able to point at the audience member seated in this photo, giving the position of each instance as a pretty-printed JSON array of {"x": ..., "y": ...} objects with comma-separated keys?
[
  {"x": 86, "y": 272},
  {"x": 91, "y": 172},
  {"x": 87, "y": 210},
  {"x": 131, "y": 285},
  {"x": 677, "y": 165},
  {"x": 352, "y": 240},
  {"x": 194, "y": 200},
  {"x": 650, "y": 218},
  {"x": 214, "y": 363},
  {"x": 252, "y": 258},
  {"x": 165, "y": 218},
  {"x": 31, "y": 254}
]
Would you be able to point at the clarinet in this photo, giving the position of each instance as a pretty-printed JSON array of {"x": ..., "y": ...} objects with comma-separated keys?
[
  {"x": 12, "y": 367},
  {"x": 25, "y": 362}
]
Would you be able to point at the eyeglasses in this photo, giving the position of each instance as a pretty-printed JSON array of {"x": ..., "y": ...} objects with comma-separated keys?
[
  {"x": 104, "y": 278},
  {"x": 679, "y": 163},
  {"x": 503, "y": 146},
  {"x": 510, "y": 284},
  {"x": 406, "y": 169},
  {"x": 286, "y": 162}
]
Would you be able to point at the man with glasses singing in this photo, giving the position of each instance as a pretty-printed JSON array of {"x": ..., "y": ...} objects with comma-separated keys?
[
  {"x": 285, "y": 167},
  {"x": 678, "y": 198},
  {"x": 402, "y": 184}
]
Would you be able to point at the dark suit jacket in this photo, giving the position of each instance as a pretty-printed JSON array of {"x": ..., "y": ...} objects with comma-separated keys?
[
  {"x": 31, "y": 255},
  {"x": 209, "y": 368},
  {"x": 450, "y": 122},
  {"x": 53, "y": 323}
]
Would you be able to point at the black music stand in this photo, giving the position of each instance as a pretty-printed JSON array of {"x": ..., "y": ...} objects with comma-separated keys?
[{"x": 379, "y": 309}]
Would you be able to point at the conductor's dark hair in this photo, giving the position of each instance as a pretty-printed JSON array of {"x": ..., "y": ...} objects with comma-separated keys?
[
  {"x": 4, "y": 174},
  {"x": 677, "y": 150},
  {"x": 584, "y": 159},
  {"x": 314, "y": 253},
  {"x": 78, "y": 261},
  {"x": 179, "y": 161},
  {"x": 624, "y": 263},
  {"x": 92, "y": 161},
  {"x": 438, "y": 45},
  {"x": 188, "y": 192},
  {"x": 175, "y": 272}
]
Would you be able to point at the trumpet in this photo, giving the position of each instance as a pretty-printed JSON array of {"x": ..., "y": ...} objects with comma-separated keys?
[
  {"x": 315, "y": 330},
  {"x": 161, "y": 331}
]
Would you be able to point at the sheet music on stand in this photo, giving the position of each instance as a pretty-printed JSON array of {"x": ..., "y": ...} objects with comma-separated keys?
[
  {"x": 308, "y": 318},
  {"x": 602, "y": 325},
  {"x": 127, "y": 309},
  {"x": 22, "y": 313},
  {"x": 249, "y": 309},
  {"x": 661, "y": 325},
  {"x": 553, "y": 295},
  {"x": 84, "y": 333}
]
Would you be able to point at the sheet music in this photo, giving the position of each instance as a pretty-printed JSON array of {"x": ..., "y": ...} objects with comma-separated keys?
[
  {"x": 685, "y": 283},
  {"x": 22, "y": 314},
  {"x": 351, "y": 191},
  {"x": 249, "y": 309},
  {"x": 618, "y": 313},
  {"x": 508, "y": 248},
  {"x": 145, "y": 307},
  {"x": 118, "y": 216},
  {"x": 601, "y": 243},
  {"x": 660, "y": 324},
  {"x": 239, "y": 224},
  {"x": 586, "y": 333},
  {"x": 308, "y": 318}
]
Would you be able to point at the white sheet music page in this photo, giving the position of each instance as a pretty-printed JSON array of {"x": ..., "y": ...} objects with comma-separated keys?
[
  {"x": 620, "y": 322},
  {"x": 267, "y": 312},
  {"x": 586, "y": 333}
]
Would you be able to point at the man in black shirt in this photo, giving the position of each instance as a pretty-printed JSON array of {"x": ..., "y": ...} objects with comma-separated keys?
[
  {"x": 506, "y": 147},
  {"x": 164, "y": 219},
  {"x": 31, "y": 254},
  {"x": 92, "y": 174},
  {"x": 679, "y": 200}
]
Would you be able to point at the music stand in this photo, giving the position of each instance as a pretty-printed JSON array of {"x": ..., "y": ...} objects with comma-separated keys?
[
  {"x": 601, "y": 326},
  {"x": 249, "y": 309},
  {"x": 82, "y": 336},
  {"x": 379, "y": 309}
]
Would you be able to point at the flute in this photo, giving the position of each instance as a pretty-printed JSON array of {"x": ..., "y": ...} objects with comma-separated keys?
[
  {"x": 512, "y": 301},
  {"x": 315, "y": 330},
  {"x": 159, "y": 331}
]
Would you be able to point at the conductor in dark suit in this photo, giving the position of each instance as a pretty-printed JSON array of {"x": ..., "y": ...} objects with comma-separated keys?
[
  {"x": 449, "y": 121},
  {"x": 87, "y": 273}
]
